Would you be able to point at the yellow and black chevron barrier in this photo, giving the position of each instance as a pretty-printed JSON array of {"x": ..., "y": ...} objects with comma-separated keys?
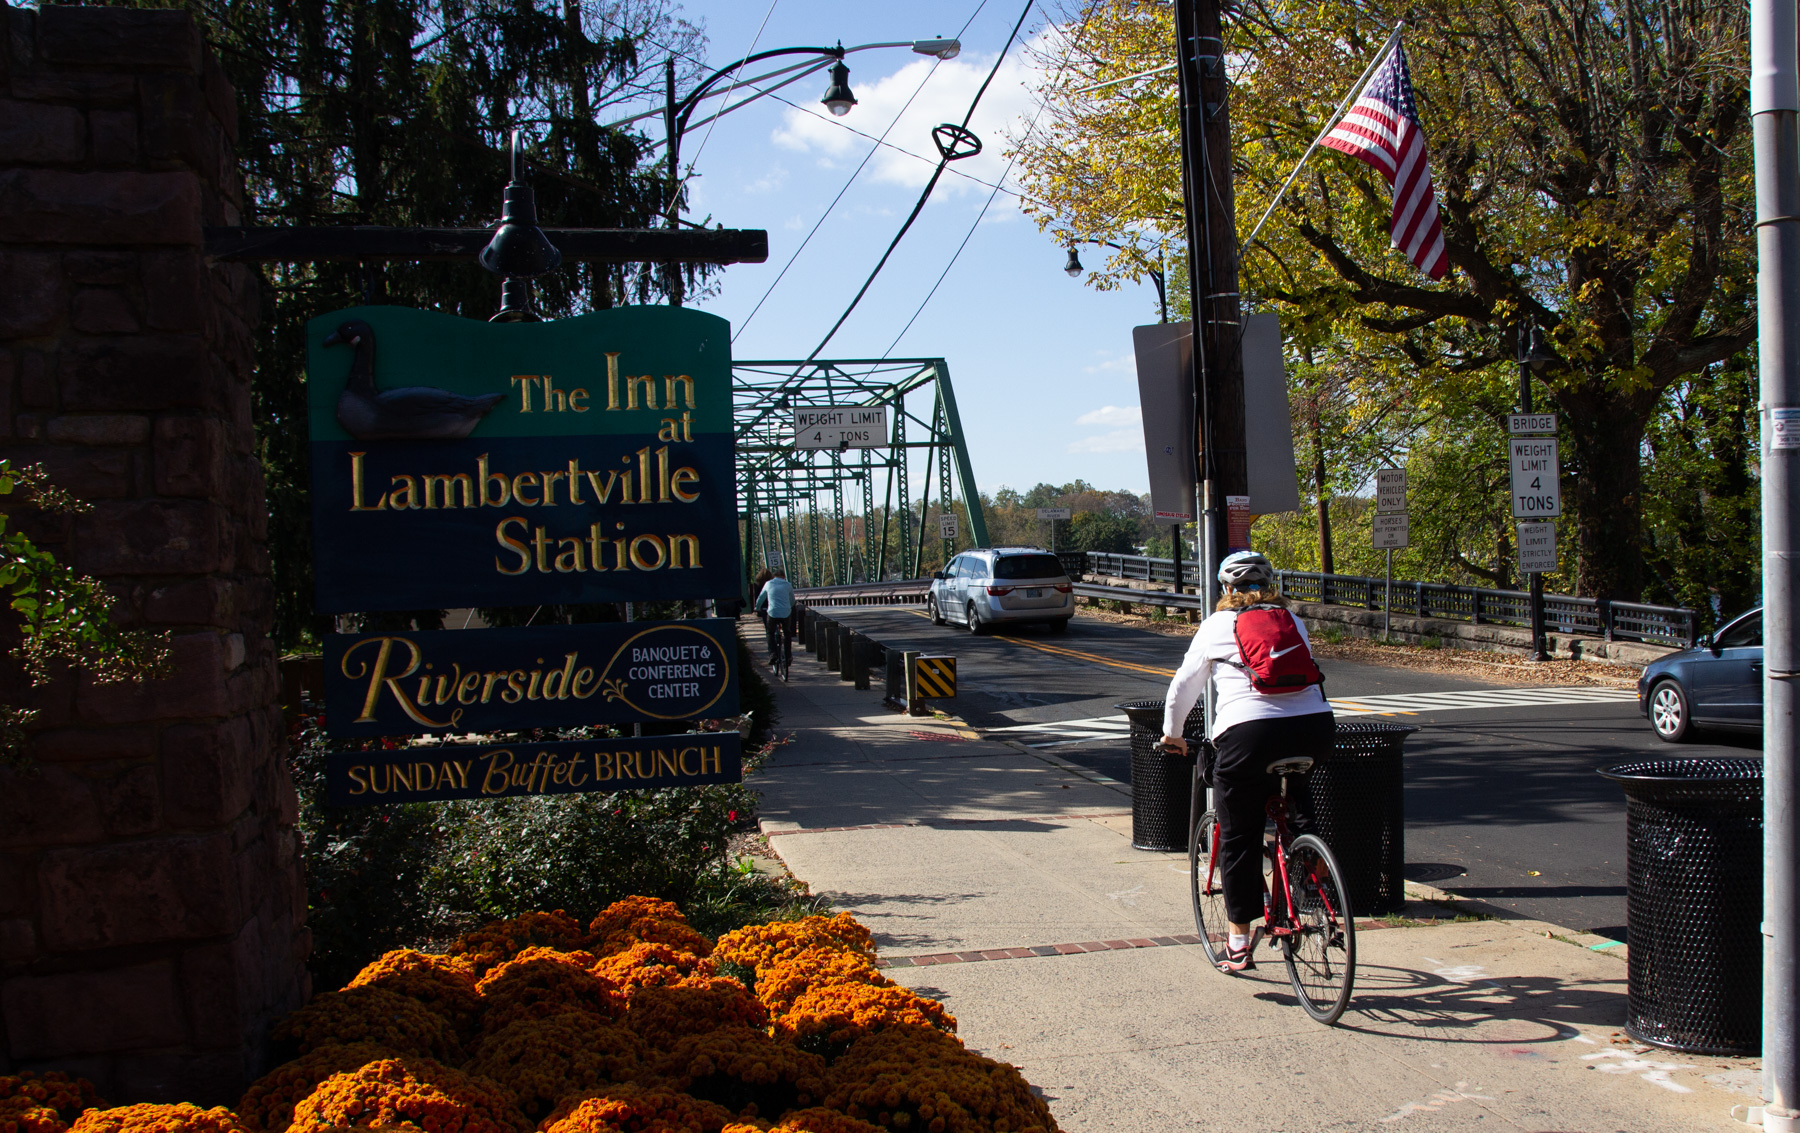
[{"x": 934, "y": 677}]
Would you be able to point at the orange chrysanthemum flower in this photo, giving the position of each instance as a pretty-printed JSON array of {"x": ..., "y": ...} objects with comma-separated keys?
[
  {"x": 744, "y": 1070},
  {"x": 146, "y": 1118},
  {"x": 828, "y": 1019},
  {"x": 269, "y": 1102},
  {"x": 650, "y": 965},
  {"x": 543, "y": 1061},
  {"x": 499, "y": 941},
  {"x": 541, "y": 982},
  {"x": 789, "y": 976},
  {"x": 632, "y": 1109},
  {"x": 370, "y": 1014},
  {"x": 921, "y": 1079},
  {"x": 821, "y": 1120},
  {"x": 23, "y": 1115},
  {"x": 438, "y": 982},
  {"x": 644, "y": 920},
  {"x": 52, "y": 1089},
  {"x": 418, "y": 1091},
  {"x": 757, "y": 948},
  {"x": 694, "y": 1006}
]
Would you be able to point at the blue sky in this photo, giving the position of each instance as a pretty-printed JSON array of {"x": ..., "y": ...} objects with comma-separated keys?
[{"x": 1041, "y": 363}]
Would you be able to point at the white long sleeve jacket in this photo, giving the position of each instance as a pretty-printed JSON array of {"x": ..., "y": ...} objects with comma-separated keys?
[{"x": 1214, "y": 642}]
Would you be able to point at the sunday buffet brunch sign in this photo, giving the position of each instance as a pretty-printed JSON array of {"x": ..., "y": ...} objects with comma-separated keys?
[
  {"x": 461, "y": 463},
  {"x": 514, "y": 680},
  {"x": 448, "y": 772}
]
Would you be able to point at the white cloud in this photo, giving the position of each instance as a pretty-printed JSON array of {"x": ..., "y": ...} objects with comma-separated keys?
[
  {"x": 773, "y": 179},
  {"x": 1114, "y": 415},
  {"x": 1125, "y": 362},
  {"x": 1119, "y": 440},
  {"x": 1004, "y": 109}
]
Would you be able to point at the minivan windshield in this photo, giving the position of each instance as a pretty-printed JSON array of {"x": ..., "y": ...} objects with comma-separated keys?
[{"x": 1028, "y": 566}]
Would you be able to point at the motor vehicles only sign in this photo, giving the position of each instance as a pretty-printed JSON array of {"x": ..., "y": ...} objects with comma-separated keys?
[
  {"x": 1390, "y": 490},
  {"x": 1536, "y": 478}
]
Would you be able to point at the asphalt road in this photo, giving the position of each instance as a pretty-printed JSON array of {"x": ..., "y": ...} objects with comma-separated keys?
[{"x": 1502, "y": 802}]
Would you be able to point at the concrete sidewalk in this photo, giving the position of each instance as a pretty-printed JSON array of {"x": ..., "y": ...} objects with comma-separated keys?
[{"x": 1005, "y": 885}]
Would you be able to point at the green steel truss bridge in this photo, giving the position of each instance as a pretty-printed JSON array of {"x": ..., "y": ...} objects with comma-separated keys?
[{"x": 834, "y": 517}]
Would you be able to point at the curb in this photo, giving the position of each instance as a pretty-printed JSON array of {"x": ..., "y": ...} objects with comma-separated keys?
[{"x": 1602, "y": 945}]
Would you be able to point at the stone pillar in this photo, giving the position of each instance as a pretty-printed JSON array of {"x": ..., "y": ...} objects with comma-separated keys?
[{"x": 151, "y": 906}]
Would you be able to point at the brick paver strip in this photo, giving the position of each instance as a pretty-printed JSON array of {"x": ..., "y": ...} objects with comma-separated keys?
[
  {"x": 1037, "y": 950},
  {"x": 945, "y": 822}
]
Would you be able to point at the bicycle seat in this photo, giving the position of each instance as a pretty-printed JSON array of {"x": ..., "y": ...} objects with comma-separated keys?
[{"x": 1292, "y": 765}]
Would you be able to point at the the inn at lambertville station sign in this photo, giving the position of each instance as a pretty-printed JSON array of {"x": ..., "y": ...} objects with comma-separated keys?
[
  {"x": 513, "y": 680},
  {"x": 462, "y": 463}
]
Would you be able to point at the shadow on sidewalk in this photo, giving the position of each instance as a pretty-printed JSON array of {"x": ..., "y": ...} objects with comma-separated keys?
[{"x": 1406, "y": 1003}]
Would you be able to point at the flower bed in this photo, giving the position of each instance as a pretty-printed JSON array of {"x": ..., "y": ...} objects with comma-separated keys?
[{"x": 635, "y": 1023}]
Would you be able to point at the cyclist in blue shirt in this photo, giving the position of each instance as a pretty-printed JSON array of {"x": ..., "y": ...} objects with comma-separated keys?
[{"x": 776, "y": 600}]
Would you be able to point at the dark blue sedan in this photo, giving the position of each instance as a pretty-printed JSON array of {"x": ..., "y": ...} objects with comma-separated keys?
[{"x": 1716, "y": 684}]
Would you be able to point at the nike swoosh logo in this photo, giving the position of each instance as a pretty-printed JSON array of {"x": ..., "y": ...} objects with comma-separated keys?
[{"x": 1274, "y": 653}]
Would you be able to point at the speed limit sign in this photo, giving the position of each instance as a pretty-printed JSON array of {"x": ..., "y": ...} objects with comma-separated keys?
[{"x": 947, "y": 525}]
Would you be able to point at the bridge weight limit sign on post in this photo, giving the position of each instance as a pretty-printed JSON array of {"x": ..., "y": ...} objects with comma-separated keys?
[{"x": 1536, "y": 489}]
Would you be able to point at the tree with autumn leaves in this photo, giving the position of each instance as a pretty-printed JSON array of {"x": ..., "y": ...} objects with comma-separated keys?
[{"x": 1593, "y": 173}]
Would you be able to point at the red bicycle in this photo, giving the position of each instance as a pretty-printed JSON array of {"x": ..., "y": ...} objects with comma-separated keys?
[{"x": 1306, "y": 905}]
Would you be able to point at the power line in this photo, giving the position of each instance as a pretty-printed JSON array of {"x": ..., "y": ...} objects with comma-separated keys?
[
  {"x": 929, "y": 185},
  {"x": 879, "y": 142}
]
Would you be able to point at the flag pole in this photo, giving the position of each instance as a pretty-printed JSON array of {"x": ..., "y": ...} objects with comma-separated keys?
[{"x": 1330, "y": 123}]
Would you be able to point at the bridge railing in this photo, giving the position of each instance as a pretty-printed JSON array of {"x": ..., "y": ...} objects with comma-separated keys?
[{"x": 1631, "y": 621}]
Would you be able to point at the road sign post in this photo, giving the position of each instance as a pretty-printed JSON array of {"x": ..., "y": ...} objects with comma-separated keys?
[
  {"x": 1390, "y": 532},
  {"x": 1536, "y": 493}
]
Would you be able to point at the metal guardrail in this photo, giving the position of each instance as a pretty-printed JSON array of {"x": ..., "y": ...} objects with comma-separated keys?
[
  {"x": 1613, "y": 621},
  {"x": 1629, "y": 621},
  {"x": 904, "y": 592}
]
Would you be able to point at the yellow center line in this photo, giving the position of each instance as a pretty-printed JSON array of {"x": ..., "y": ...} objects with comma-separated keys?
[{"x": 1075, "y": 653}]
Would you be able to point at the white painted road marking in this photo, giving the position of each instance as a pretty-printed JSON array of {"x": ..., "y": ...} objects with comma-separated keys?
[{"x": 1057, "y": 732}]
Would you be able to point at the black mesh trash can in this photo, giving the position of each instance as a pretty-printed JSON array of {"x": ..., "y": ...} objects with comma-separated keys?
[
  {"x": 1693, "y": 903},
  {"x": 1161, "y": 783},
  {"x": 1356, "y": 801}
]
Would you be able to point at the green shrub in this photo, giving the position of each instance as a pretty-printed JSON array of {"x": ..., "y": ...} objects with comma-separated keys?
[
  {"x": 416, "y": 874},
  {"x": 1331, "y": 633}
]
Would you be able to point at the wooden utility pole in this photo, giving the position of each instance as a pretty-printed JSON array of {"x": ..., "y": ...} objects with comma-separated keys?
[{"x": 1212, "y": 270}]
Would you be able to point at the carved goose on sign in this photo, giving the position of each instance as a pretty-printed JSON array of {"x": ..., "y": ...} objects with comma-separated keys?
[{"x": 410, "y": 413}]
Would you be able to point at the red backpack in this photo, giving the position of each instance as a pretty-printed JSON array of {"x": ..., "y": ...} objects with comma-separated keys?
[{"x": 1275, "y": 656}]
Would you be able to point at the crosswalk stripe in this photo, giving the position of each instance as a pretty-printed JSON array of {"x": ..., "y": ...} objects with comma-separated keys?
[{"x": 1056, "y": 733}]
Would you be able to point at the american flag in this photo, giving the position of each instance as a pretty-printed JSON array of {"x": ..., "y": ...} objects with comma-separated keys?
[{"x": 1383, "y": 130}]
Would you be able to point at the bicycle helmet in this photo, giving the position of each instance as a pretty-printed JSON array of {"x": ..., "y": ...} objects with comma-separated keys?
[{"x": 1246, "y": 570}]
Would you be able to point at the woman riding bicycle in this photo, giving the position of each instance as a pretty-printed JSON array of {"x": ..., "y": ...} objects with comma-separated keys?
[{"x": 1251, "y": 729}]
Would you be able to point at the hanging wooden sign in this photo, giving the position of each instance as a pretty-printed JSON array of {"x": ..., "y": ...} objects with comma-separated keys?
[
  {"x": 461, "y": 463},
  {"x": 512, "y": 680},
  {"x": 447, "y": 772}
]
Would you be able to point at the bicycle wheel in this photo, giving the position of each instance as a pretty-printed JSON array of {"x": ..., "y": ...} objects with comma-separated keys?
[
  {"x": 1207, "y": 888},
  {"x": 1321, "y": 953}
]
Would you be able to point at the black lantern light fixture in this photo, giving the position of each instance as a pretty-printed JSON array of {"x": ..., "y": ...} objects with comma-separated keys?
[
  {"x": 838, "y": 98},
  {"x": 519, "y": 249},
  {"x": 1073, "y": 268}
]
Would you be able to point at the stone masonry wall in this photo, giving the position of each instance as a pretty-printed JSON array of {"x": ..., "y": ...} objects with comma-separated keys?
[{"x": 151, "y": 906}]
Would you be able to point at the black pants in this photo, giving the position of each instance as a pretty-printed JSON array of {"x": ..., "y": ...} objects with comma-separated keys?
[{"x": 1241, "y": 789}]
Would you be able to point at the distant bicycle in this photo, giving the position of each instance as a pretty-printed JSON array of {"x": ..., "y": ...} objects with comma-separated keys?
[
  {"x": 1306, "y": 906},
  {"x": 781, "y": 646}
]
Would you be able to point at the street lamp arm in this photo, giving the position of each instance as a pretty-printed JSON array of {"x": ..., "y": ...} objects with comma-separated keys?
[
  {"x": 686, "y": 106},
  {"x": 811, "y": 67}
]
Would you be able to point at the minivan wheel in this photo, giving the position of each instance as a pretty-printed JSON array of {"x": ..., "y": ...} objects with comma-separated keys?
[
  {"x": 1669, "y": 712},
  {"x": 975, "y": 623},
  {"x": 931, "y": 607}
]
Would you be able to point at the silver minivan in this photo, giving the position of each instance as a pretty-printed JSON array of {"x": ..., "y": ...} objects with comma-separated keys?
[{"x": 1002, "y": 585}]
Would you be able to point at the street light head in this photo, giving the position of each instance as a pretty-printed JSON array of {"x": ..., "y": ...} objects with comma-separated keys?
[
  {"x": 838, "y": 98},
  {"x": 1535, "y": 352},
  {"x": 1073, "y": 268},
  {"x": 945, "y": 49},
  {"x": 519, "y": 248}
]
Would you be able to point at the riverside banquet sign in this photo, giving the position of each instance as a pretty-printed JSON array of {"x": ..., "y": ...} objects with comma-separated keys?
[
  {"x": 458, "y": 464},
  {"x": 462, "y": 463}
]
